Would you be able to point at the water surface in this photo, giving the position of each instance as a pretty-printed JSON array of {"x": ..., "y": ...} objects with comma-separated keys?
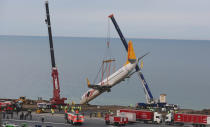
[{"x": 179, "y": 68}]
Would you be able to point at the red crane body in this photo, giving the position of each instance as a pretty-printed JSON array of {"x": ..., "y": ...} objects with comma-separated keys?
[{"x": 56, "y": 89}]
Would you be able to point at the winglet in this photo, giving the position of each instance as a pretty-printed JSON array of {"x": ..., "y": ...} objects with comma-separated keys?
[
  {"x": 88, "y": 82},
  {"x": 141, "y": 65},
  {"x": 131, "y": 54}
]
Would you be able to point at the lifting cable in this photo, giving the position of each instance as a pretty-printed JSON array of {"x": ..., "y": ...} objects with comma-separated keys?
[{"x": 105, "y": 69}]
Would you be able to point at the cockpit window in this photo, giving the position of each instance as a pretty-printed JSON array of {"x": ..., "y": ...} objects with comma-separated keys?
[{"x": 88, "y": 94}]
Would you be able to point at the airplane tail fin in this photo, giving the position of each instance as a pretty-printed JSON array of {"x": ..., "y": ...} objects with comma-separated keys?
[{"x": 131, "y": 54}]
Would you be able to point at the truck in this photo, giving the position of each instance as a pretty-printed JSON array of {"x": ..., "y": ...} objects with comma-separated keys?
[
  {"x": 115, "y": 120},
  {"x": 131, "y": 116},
  {"x": 183, "y": 118},
  {"x": 44, "y": 105},
  {"x": 143, "y": 115},
  {"x": 5, "y": 103},
  {"x": 75, "y": 118}
]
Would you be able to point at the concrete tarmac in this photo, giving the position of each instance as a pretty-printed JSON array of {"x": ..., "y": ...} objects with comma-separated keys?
[{"x": 57, "y": 120}]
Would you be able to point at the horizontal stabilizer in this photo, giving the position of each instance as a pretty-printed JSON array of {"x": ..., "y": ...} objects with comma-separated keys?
[
  {"x": 143, "y": 56},
  {"x": 98, "y": 87}
]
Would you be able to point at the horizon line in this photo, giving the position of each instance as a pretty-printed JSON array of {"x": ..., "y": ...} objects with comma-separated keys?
[{"x": 105, "y": 37}]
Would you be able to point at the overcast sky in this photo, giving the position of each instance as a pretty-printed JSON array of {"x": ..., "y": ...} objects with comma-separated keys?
[{"x": 170, "y": 19}]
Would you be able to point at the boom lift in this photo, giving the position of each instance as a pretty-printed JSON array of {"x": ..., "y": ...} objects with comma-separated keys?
[
  {"x": 56, "y": 100},
  {"x": 149, "y": 97}
]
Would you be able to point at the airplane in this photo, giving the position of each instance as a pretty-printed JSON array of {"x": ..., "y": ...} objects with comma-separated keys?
[{"x": 125, "y": 72}]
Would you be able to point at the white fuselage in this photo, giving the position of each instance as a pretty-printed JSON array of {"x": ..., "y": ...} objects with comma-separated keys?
[{"x": 112, "y": 80}]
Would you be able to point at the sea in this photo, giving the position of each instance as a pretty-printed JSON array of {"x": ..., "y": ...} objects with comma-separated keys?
[{"x": 178, "y": 68}]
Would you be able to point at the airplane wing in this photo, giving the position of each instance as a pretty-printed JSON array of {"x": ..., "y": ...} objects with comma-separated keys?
[
  {"x": 131, "y": 74},
  {"x": 98, "y": 87}
]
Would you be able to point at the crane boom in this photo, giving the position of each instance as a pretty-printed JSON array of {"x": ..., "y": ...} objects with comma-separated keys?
[
  {"x": 50, "y": 35},
  {"x": 149, "y": 97},
  {"x": 56, "y": 87}
]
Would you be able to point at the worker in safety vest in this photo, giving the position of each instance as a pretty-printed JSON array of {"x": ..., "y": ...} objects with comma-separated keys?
[
  {"x": 77, "y": 111},
  {"x": 78, "y": 108},
  {"x": 72, "y": 109},
  {"x": 52, "y": 111},
  {"x": 69, "y": 108},
  {"x": 65, "y": 109}
]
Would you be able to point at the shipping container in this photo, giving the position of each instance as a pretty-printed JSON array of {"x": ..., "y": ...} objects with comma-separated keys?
[
  {"x": 192, "y": 118},
  {"x": 181, "y": 118},
  {"x": 146, "y": 116},
  {"x": 131, "y": 116}
]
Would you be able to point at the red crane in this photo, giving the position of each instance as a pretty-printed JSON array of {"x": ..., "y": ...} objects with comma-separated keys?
[{"x": 56, "y": 100}]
